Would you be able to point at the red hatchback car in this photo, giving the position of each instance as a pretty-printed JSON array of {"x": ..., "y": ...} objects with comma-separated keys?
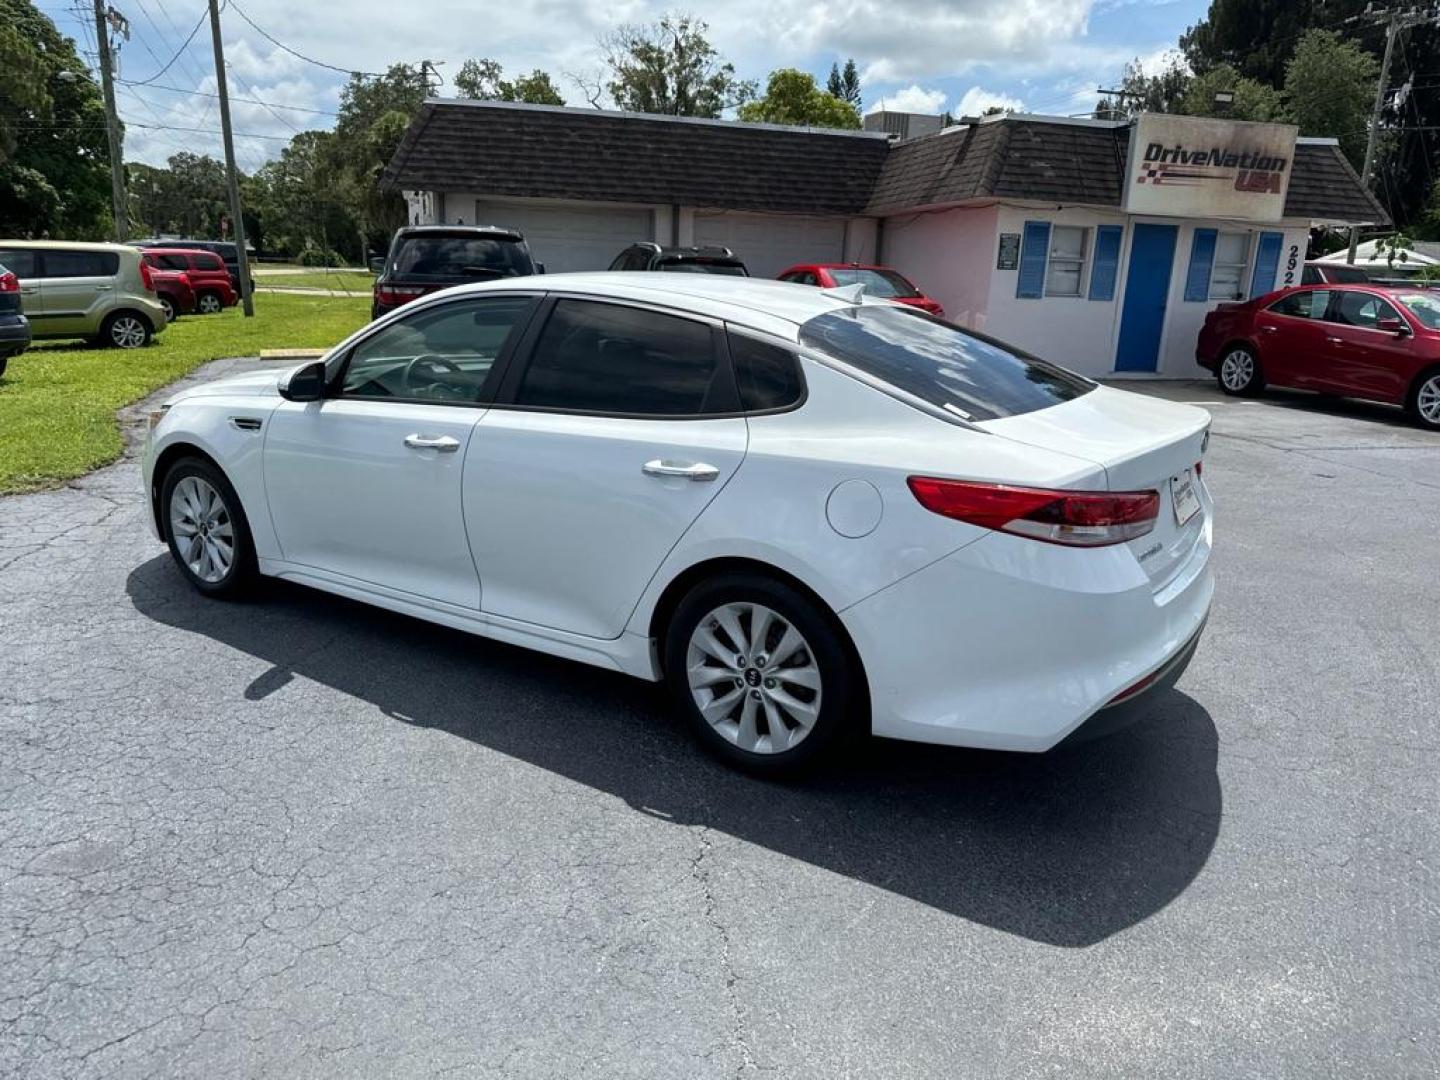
[
  {"x": 1351, "y": 340},
  {"x": 206, "y": 271},
  {"x": 879, "y": 281}
]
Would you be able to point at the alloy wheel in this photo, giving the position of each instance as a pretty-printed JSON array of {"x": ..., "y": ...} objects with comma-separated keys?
[
  {"x": 1237, "y": 369},
  {"x": 209, "y": 304},
  {"x": 754, "y": 678},
  {"x": 1427, "y": 401},
  {"x": 169, "y": 307},
  {"x": 128, "y": 332},
  {"x": 203, "y": 529}
]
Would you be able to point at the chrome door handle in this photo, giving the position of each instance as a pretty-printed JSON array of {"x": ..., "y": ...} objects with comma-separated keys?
[
  {"x": 103, "y": 288},
  {"x": 1334, "y": 340},
  {"x": 444, "y": 443},
  {"x": 1269, "y": 329},
  {"x": 697, "y": 471}
]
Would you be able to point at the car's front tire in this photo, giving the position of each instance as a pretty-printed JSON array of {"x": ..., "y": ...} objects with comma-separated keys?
[
  {"x": 206, "y": 530},
  {"x": 1239, "y": 371},
  {"x": 171, "y": 312},
  {"x": 764, "y": 675},
  {"x": 126, "y": 330},
  {"x": 208, "y": 303},
  {"x": 1424, "y": 402}
]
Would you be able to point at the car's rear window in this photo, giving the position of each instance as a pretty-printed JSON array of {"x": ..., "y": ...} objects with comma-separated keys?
[
  {"x": 460, "y": 257},
  {"x": 965, "y": 374},
  {"x": 882, "y": 283},
  {"x": 1346, "y": 275}
]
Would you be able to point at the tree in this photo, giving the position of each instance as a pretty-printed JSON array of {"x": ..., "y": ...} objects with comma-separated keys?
[
  {"x": 482, "y": 80},
  {"x": 1256, "y": 36},
  {"x": 792, "y": 97},
  {"x": 844, "y": 85},
  {"x": 1329, "y": 85},
  {"x": 374, "y": 113},
  {"x": 670, "y": 67},
  {"x": 1252, "y": 100},
  {"x": 300, "y": 203},
  {"x": 1140, "y": 92},
  {"x": 54, "y": 163}
]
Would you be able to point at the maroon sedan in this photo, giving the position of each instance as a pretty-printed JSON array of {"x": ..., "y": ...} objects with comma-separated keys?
[
  {"x": 879, "y": 281},
  {"x": 1351, "y": 340}
]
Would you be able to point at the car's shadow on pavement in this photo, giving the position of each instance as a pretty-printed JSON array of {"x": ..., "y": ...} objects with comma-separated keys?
[{"x": 1065, "y": 848}]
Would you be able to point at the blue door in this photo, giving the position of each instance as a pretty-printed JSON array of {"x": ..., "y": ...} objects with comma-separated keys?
[{"x": 1147, "y": 288}]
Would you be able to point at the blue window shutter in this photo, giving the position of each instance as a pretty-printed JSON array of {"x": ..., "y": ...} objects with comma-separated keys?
[
  {"x": 1034, "y": 254},
  {"x": 1107, "y": 262},
  {"x": 1202, "y": 259},
  {"x": 1267, "y": 263}
]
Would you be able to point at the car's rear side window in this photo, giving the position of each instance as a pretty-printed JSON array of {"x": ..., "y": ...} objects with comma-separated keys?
[
  {"x": 1310, "y": 304},
  {"x": 20, "y": 263},
  {"x": 172, "y": 262},
  {"x": 966, "y": 375},
  {"x": 768, "y": 376},
  {"x": 67, "y": 264},
  {"x": 612, "y": 358}
]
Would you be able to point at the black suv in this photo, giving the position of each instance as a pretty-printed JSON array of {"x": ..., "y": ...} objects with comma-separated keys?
[
  {"x": 647, "y": 255},
  {"x": 228, "y": 252},
  {"x": 426, "y": 258},
  {"x": 14, "y": 328}
]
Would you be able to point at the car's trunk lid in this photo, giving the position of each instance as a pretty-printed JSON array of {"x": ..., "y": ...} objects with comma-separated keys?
[{"x": 1142, "y": 443}]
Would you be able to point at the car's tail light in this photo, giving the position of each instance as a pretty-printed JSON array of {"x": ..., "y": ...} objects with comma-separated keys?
[
  {"x": 1072, "y": 518},
  {"x": 397, "y": 294},
  {"x": 9, "y": 282},
  {"x": 147, "y": 278}
]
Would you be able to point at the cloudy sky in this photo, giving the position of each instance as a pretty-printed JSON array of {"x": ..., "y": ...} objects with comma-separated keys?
[{"x": 919, "y": 55}]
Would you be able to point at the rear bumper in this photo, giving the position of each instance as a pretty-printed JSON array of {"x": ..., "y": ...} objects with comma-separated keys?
[
  {"x": 1011, "y": 644},
  {"x": 14, "y": 335}
]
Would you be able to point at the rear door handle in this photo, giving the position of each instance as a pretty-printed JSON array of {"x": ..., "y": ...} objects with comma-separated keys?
[
  {"x": 103, "y": 288},
  {"x": 443, "y": 443},
  {"x": 1269, "y": 329},
  {"x": 1334, "y": 340},
  {"x": 698, "y": 470}
]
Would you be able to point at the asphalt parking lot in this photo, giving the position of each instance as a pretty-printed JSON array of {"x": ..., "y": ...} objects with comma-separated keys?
[{"x": 301, "y": 837}]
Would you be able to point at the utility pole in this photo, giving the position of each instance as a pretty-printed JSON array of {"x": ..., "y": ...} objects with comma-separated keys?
[
  {"x": 112, "y": 125},
  {"x": 1395, "y": 23},
  {"x": 237, "y": 220}
]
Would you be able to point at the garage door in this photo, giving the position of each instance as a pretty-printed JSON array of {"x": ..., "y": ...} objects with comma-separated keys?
[
  {"x": 571, "y": 237},
  {"x": 768, "y": 243}
]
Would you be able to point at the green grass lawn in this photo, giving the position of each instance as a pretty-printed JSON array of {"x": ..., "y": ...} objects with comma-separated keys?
[
  {"x": 58, "y": 401},
  {"x": 345, "y": 280}
]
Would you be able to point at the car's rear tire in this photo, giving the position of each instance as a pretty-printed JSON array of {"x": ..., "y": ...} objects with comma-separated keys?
[
  {"x": 773, "y": 704},
  {"x": 4, "y": 362},
  {"x": 126, "y": 330},
  {"x": 206, "y": 530},
  {"x": 1424, "y": 400},
  {"x": 171, "y": 312},
  {"x": 208, "y": 303},
  {"x": 1238, "y": 371}
]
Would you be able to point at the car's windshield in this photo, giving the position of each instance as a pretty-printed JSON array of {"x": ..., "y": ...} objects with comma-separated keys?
[
  {"x": 885, "y": 284},
  {"x": 1424, "y": 307},
  {"x": 692, "y": 266},
  {"x": 973, "y": 377},
  {"x": 460, "y": 257}
]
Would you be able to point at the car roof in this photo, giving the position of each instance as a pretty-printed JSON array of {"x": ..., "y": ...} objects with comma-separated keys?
[
  {"x": 65, "y": 245},
  {"x": 777, "y": 307},
  {"x": 495, "y": 232}
]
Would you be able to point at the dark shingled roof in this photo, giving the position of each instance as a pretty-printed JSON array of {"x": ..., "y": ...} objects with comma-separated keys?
[
  {"x": 546, "y": 152},
  {"x": 542, "y": 152}
]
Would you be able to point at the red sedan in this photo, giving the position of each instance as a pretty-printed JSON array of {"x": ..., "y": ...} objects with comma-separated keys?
[
  {"x": 1351, "y": 340},
  {"x": 879, "y": 281}
]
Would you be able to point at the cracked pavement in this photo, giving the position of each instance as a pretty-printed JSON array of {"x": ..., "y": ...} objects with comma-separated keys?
[{"x": 301, "y": 837}]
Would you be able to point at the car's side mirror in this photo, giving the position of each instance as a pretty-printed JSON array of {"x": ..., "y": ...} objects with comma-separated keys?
[
  {"x": 305, "y": 383},
  {"x": 1393, "y": 326},
  {"x": 377, "y": 265},
  {"x": 539, "y": 268}
]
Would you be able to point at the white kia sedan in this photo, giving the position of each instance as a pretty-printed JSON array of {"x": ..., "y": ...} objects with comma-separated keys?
[{"x": 807, "y": 512}]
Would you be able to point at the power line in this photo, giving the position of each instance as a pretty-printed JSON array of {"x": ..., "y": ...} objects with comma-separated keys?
[
  {"x": 178, "y": 53},
  {"x": 249, "y": 101},
  {"x": 298, "y": 55}
]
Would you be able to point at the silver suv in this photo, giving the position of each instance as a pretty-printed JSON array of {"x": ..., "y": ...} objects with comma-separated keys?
[{"x": 101, "y": 292}]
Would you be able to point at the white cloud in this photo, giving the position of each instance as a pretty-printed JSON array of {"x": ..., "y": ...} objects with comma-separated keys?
[
  {"x": 977, "y": 99},
  {"x": 913, "y": 99}
]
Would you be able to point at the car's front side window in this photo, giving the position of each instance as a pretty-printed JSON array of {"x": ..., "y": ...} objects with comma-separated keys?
[
  {"x": 616, "y": 359},
  {"x": 1364, "y": 310},
  {"x": 443, "y": 353}
]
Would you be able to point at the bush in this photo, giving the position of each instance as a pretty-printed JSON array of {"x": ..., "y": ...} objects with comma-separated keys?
[{"x": 320, "y": 257}]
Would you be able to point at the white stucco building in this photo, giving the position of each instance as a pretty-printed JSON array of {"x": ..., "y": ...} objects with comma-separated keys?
[{"x": 1098, "y": 244}]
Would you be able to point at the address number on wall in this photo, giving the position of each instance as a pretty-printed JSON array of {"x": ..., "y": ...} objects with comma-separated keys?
[{"x": 1291, "y": 261}]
